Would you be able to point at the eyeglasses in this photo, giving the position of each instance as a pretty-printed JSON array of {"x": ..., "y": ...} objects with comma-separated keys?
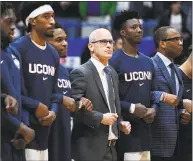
[
  {"x": 174, "y": 39},
  {"x": 104, "y": 42}
]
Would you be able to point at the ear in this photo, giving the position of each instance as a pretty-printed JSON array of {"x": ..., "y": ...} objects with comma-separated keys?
[
  {"x": 162, "y": 44},
  {"x": 122, "y": 32},
  {"x": 90, "y": 47},
  {"x": 32, "y": 21}
]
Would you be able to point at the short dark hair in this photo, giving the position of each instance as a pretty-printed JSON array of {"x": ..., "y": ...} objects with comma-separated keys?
[
  {"x": 190, "y": 49},
  {"x": 173, "y": 2},
  {"x": 120, "y": 19},
  {"x": 27, "y": 7},
  {"x": 58, "y": 26},
  {"x": 5, "y": 6},
  {"x": 5, "y": 39},
  {"x": 161, "y": 34}
]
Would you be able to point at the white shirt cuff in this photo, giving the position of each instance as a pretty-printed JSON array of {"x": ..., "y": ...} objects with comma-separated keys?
[
  {"x": 162, "y": 97},
  {"x": 132, "y": 108}
]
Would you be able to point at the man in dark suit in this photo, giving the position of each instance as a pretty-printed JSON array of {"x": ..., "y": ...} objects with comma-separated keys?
[
  {"x": 165, "y": 126},
  {"x": 95, "y": 134}
]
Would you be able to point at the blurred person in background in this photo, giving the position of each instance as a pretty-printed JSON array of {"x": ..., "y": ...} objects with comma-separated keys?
[
  {"x": 176, "y": 18},
  {"x": 68, "y": 15},
  {"x": 118, "y": 43},
  {"x": 95, "y": 13},
  {"x": 85, "y": 56}
]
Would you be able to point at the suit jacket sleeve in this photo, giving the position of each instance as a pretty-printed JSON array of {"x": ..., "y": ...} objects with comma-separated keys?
[
  {"x": 79, "y": 87},
  {"x": 156, "y": 95}
]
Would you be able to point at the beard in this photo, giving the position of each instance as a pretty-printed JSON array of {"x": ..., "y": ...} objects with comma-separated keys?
[
  {"x": 48, "y": 35},
  {"x": 5, "y": 39}
]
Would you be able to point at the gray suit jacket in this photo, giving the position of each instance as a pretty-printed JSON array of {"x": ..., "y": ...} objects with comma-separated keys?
[
  {"x": 166, "y": 124},
  {"x": 89, "y": 136}
]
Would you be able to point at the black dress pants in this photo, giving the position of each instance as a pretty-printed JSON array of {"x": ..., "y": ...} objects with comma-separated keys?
[{"x": 111, "y": 153}]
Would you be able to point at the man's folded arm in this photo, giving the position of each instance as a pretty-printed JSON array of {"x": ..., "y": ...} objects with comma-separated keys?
[{"x": 78, "y": 84}]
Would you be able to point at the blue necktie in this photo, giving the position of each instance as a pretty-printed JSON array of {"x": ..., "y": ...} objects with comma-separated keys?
[{"x": 107, "y": 70}]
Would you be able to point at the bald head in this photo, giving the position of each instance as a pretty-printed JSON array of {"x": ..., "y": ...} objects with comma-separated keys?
[
  {"x": 101, "y": 45},
  {"x": 98, "y": 34}
]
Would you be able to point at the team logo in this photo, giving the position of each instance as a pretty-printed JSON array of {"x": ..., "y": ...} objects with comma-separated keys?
[
  {"x": 135, "y": 76},
  {"x": 42, "y": 69},
  {"x": 63, "y": 83}
]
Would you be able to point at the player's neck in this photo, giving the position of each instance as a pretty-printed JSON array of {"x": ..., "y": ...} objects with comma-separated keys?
[
  {"x": 167, "y": 55},
  {"x": 175, "y": 13},
  {"x": 40, "y": 40},
  {"x": 129, "y": 49},
  {"x": 103, "y": 61}
]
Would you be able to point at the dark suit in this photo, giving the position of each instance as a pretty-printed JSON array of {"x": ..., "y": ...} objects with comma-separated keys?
[
  {"x": 89, "y": 136},
  {"x": 166, "y": 125}
]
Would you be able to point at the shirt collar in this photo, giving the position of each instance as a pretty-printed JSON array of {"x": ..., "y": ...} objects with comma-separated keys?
[
  {"x": 39, "y": 46},
  {"x": 99, "y": 66},
  {"x": 166, "y": 61}
]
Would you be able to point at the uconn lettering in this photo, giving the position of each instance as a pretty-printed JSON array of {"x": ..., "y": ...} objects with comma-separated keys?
[
  {"x": 134, "y": 76},
  {"x": 63, "y": 83},
  {"x": 41, "y": 69}
]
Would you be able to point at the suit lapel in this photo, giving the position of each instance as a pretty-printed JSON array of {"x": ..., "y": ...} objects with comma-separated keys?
[
  {"x": 97, "y": 80},
  {"x": 165, "y": 72}
]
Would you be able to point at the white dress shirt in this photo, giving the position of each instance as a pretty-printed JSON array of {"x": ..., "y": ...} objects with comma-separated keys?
[
  {"x": 176, "y": 22},
  {"x": 100, "y": 68},
  {"x": 167, "y": 62}
]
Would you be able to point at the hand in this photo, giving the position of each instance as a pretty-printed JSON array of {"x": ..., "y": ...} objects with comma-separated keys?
[
  {"x": 170, "y": 99},
  {"x": 27, "y": 133},
  {"x": 140, "y": 110},
  {"x": 187, "y": 104},
  {"x": 11, "y": 104},
  {"x": 149, "y": 116},
  {"x": 69, "y": 103},
  {"x": 125, "y": 127},
  {"x": 48, "y": 120},
  {"x": 86, "y": 104},
  {"x": 18, "y": 142},
  {"x": 185, "y": 118},
  {"x": 41, "y": 111},
  {"x": 109, "y": 118}
]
